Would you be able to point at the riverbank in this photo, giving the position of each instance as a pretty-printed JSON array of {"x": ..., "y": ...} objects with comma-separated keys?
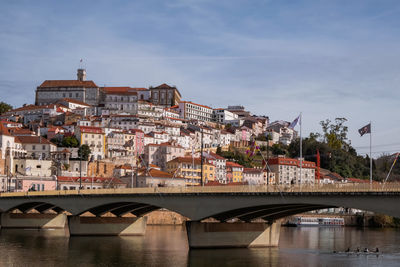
[
  {"x": 166, "y": 217},
  {"x": 358, "y": 220}
]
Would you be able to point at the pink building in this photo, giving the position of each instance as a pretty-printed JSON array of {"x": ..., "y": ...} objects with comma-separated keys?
[
  {"x": 139, "y": 141},
  {"x": 35, "y": 184}
]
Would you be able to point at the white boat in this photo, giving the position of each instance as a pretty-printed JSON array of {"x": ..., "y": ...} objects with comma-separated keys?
[{"x": 315, "y": 221}]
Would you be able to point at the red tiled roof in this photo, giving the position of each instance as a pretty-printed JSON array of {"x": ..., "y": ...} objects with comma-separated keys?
[
  {"x": 32, "y": 140},
  {"x": 215, "y": 155},
  {"x": 68, "y": 83},
  {"x": 4, "y": 130},
  {"x": 90, "y": 129},
  {"x": 33, "y": 107},
  {"x": 18, "y": 131},
  {"x": 233, "y": 164},
  {"x": 291, "y": 162}
]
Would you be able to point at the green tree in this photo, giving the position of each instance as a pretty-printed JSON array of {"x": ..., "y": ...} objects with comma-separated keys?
[
  {"x": 278, "y": 149},
  {"x": 70, "y": 141},
  {"x": 335, "y": 133},
  {"x": 4, "y": 107},
  {"x": 219, "y": 150},
  {"x": 84, "y": 152}
]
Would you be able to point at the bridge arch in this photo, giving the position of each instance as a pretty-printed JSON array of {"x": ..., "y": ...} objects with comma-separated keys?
[
  {"x": 268, "y": 213},
  {"x": 39, "y": 206},
  {"x": 120, "y": 209}
]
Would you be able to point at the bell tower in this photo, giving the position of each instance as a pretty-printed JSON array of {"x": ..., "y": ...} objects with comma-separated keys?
[{"x": 81, "y": 74}]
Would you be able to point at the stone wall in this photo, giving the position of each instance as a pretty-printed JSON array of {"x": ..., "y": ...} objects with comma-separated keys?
[{"x": 165, "y": 217}]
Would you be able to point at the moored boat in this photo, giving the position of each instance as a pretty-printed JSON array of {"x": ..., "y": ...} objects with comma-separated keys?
[{"x": 315, "y": 221}]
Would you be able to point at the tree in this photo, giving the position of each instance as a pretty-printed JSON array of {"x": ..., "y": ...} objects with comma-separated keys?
[
  {"x": 278, "y": 149},
  {"x": 4, "y": 107},
  {"x": 84, "y": 152},
  {"x": 219, "y": 150},
  {"x": 70, "y": 141},
  {"x": 335, "y": 133}
]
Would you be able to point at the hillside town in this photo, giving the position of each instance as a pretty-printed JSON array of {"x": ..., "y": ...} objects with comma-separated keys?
[{"x": 80, "y": 135}]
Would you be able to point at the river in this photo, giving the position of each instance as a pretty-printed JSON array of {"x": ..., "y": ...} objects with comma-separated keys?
[{"x": 167, "y": 246}]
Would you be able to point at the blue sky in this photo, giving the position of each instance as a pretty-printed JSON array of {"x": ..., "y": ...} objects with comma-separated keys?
[{"x": 326, "y": 59}]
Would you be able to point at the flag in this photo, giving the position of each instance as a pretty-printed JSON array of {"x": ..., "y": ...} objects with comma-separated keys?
[
  {"x": 294, "y": 122},
  {"x": 81, "y": 60},
  {"x": 28, "y": 169},
  {"x": 366, "y": 129},
  {"x": 395, "y": 159},
  {"x": 250, "y": 152}
]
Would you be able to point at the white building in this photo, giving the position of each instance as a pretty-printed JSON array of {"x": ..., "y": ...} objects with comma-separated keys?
[
  {"x": 224, "y": 116},
  {"x": 121, "y": 100},
  {"x": 287, "y": 171},
  {"x": 192, "y": 111}
]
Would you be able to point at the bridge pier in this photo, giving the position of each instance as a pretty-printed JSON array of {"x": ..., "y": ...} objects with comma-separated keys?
[
  {"x": 238, "y": 235},
  {"x": 107, "y": 226},
  {"x": 33, "y": 220}
]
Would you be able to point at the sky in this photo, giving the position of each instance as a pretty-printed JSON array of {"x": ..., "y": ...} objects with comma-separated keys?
[{"x": 323, "y": 58}]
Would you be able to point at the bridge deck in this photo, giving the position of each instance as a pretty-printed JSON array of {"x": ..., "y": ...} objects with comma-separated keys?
[{"x": 342, "y": 188}]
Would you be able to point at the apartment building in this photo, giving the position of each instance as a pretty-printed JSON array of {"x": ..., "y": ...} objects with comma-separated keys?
[
  {"x": 94, "y": 137},
  {"x": 287, "y": 171},
  {"x": 190, "y": 169},
  {"x": 192, "y": 111}
]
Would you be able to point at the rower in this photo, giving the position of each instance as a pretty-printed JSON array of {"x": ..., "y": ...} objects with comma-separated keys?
[
  {"x": 366, "y": 250},
  {"x": 377, "y": 250}
]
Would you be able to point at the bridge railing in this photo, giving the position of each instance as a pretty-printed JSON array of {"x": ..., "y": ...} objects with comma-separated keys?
[{"x": 334, "y": 188}]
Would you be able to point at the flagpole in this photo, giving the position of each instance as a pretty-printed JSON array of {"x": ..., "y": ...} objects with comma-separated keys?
[
  {"x": 370, "y": 154},
  {"x": 301, "y": 147}
]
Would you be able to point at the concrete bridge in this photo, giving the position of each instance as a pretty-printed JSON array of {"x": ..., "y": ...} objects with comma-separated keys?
[{"x": 245, "y": 204}]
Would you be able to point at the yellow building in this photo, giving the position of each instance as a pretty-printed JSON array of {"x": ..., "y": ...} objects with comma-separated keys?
[
  {"x": 95, "y": 138},
  {"x": 234, "y": 172},
  {"x": 190, "y": 169}
]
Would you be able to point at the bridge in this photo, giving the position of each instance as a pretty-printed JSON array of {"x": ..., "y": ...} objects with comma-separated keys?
[{"x": 250, "y": 212}]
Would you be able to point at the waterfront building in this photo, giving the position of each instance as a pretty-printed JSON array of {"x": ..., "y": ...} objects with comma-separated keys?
[
  {"x": 254, "y": 176},
  {"x": 72, "y": 183},
  {"x": 287, "y": 171},
  {"x": 154, "y": 177},
  {"x": 234, "y": 172},
  {"x": 190, "y": 169},
  {"x": 35, "y": 183},
  {"x": 220, "y": 166}
]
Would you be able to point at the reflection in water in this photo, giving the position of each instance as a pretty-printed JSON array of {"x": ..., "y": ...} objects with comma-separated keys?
[{"x": 167, "y": 246}]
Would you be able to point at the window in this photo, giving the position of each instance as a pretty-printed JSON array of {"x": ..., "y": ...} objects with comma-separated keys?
[
  {"x": 33, "y": 147},
  {"x": 43, "y": 147},
  {"x": 38, "y": 166}
]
